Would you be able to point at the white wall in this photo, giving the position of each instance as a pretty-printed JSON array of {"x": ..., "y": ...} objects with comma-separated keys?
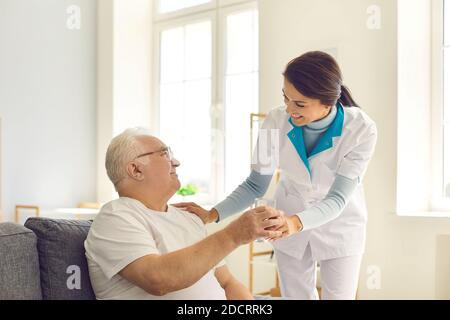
[
  {"x": 105, "y": 98},
  {"x": 124, "y": 75},
  {"x": 47, "y": 103},
  {"x": 403, "y": 249},
  {"x": 133, "y": 58}
]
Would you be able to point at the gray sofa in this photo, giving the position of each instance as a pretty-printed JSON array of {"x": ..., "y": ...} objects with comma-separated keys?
[{"x": 45, "y": 259}]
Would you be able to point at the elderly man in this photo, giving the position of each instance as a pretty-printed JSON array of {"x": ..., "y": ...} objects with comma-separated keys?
[{"x": 140, "y": 248}]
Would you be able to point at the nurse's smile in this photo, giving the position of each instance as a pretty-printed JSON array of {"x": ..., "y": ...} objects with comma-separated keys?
[{"x": 297, "y": 119}]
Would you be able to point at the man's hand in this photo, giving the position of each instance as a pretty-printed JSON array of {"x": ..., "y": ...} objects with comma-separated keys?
[
  {"x": 206, "y": 216},
  {"x": 260, "y": 222}
]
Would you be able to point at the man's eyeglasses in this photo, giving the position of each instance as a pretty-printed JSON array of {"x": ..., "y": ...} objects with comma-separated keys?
[{"x": 166, "y": 150}]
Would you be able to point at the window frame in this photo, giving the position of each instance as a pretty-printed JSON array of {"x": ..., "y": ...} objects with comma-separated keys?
[
  {"x": 158, "y": 17},
  {"x": 438, "y": 201}
]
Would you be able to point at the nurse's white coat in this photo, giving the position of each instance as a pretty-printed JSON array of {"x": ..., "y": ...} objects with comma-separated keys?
[{"x": 298, "y": 190}]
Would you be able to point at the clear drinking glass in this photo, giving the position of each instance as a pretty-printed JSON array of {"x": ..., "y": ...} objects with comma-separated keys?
[{"x": 259, "y": 202}]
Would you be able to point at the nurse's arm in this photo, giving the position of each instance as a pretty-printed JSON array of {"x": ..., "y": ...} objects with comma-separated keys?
[
  {"x": 241, "y": 198},
  {"x": 332, "y": 206},
  {"x": 349, "y": 174},
  {"x": 325, "y": 211}
]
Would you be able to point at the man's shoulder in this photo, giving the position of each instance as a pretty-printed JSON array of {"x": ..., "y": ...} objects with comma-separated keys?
[
  {"x": 117, "y": 213},
  {"x": 120, "y": 206},
  {"x": 194, "y": 219},
  {"x": 118, "y": 219}
]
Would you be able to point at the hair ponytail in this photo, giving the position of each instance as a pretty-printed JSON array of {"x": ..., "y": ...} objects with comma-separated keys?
[{"x": 346, "y": 98}]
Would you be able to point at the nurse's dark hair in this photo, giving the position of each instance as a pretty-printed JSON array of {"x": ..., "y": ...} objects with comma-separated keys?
[{"x": 317, "y": 75}]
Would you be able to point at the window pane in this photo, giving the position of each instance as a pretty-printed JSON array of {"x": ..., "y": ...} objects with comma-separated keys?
[
  {"x": 196, "y": 140},
  {"x": 172, "y": 55},
  {"x": 166, "y": 6},
  {"x": 447, "y": 22},
  {"x": 185, "y": 101},
  {"x": 242, "y": 42},
  {"x": 242, "y": 99},
  {"x": 447, "y": 161},
  {"x": 198, "y": 51},
  {"x": 241, "y": 94},
  {"x": 186, "y": 127},
  {"x": 171, "y": 112}
]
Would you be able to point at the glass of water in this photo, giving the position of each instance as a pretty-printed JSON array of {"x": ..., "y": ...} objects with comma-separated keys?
[{"x": 259, "y": 202}]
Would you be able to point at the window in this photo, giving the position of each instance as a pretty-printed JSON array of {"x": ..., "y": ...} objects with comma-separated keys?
[
  {"x": 185, "y": 98},
  {"x": 207, "y": 86},
  {"x": 446, "y": 98},
  {"x": 423, "y": 145}
]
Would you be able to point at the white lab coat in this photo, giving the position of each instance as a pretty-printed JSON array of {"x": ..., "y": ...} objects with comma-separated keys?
[{"x": 298, "y": 190}]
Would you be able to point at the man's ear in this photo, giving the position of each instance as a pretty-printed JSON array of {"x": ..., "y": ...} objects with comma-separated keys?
[{"x": 134, "y": 171}]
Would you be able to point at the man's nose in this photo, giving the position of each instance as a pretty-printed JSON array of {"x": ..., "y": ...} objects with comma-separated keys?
[{"x": 175, "y": 163}]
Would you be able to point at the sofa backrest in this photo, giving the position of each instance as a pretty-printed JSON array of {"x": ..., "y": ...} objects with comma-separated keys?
[
  {"x": 19, "y": 263},
  {"x": 63, "y": 265}
]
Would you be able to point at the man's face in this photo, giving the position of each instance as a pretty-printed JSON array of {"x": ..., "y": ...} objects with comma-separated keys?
[{"x": 158, "y": 169}]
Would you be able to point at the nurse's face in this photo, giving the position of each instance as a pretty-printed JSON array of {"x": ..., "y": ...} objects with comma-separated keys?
[{"x": 303, "y": 110}]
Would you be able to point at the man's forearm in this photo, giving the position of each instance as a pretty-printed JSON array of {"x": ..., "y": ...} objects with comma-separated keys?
[
  {"x": 181, "y": 269},
  {"x": 161, "y": 274},
  {"x": 235, "y": 290}
]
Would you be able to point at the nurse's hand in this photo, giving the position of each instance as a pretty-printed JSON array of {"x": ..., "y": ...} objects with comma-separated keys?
[
  {"x": 207, "y": 216},
  {"x": 289, "y": 226}
]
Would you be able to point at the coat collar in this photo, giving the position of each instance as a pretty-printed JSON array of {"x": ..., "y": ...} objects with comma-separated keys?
[{"x": 324, "y": 143}]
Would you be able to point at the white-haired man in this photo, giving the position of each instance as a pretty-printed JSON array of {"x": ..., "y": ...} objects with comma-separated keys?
[{"x": 138, "y": 247}]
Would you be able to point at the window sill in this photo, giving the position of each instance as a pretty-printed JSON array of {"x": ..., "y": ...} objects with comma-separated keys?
[{"x": 426, "y": 214}]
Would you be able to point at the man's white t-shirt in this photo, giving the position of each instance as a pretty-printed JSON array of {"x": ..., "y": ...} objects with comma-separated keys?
[{"x": 124, "y": 231}]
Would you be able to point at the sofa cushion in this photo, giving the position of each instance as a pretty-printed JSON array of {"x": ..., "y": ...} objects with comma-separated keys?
[
  {"x": 63, "y": 265},
  {"x": 19, "y": 263}
]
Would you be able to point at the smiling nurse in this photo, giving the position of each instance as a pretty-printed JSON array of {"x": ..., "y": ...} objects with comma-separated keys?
[{"x": 323, "y": 144}]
